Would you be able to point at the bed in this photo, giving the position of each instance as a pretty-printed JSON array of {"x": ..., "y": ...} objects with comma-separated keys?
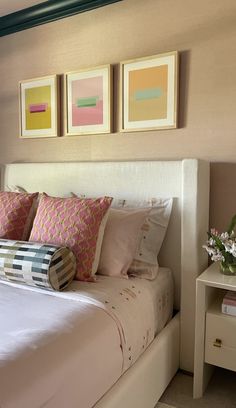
[{"x": 187, "y": 182}]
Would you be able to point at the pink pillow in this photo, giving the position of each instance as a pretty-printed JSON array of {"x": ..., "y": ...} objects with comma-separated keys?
[
  {"x": 120, "y": 241},
  {"x": 15, "y": 214},
  {"x": 72, "y": 222}
]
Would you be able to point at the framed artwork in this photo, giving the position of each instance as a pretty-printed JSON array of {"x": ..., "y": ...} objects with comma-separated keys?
[
  {"x": 149, "y": 88},
  {"x": 88, "y": 101},
  {"x": 38, "y": 107}
]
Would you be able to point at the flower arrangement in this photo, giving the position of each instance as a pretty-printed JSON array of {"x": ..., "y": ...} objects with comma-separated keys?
[{"x": 222, "y": 247}]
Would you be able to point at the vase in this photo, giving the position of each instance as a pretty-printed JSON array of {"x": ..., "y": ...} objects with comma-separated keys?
[{"x": 227, "y": 268}]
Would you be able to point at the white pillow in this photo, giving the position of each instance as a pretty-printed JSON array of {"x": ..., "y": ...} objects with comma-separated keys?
[
  {"x": 151, "y": 234},
  {"x": 153, "y": 230},
  {"x": 16, "y": 189}
]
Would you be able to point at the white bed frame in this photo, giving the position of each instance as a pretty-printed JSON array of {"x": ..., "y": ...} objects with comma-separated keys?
[{"x": 188, "y": 182}]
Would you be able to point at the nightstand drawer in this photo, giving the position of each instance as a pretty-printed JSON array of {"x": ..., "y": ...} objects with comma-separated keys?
[{"x": 220, "y": 339}]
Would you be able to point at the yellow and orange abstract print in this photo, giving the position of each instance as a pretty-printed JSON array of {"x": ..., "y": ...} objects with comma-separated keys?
[
  {"x": 38, "y": 108},
  {"x": 147, "y": 98}
]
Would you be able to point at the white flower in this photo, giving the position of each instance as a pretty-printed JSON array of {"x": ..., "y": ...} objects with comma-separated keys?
[
  {"x": 214, "y": 253},
  {"x": 221, "y": 247},
  {"x": 228, "y": 246},
  {"x": 211, "y": 242},
  {"x": 209, "y": 249},
  {"x": 218, "y": 257},
  {"x": 233, "y": 249},
  {"x": 224, "y": 236}
]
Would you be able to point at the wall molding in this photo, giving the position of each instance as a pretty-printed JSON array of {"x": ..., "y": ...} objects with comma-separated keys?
[{"x": 47, "y": 12}]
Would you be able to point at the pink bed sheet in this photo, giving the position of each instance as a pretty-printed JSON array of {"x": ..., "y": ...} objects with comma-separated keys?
[{"x": 60, "y": 350}]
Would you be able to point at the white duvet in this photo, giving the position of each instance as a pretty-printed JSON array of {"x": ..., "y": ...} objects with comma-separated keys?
[{"x": 60, "y": 350}]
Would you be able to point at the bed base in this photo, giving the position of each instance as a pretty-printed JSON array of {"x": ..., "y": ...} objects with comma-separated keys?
[{"x": 144, "y": 383}]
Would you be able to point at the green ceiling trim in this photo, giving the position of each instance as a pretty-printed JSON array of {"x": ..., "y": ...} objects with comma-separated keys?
[{"x": 47, "y": 12}]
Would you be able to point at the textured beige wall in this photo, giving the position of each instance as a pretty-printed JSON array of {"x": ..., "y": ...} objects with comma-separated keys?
[{"x": 204, "y": 32}]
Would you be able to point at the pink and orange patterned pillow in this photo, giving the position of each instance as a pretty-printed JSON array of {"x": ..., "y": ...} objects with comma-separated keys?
[
  {"x": 72, "y": 222},
  {"x": 15, "y": 214}
]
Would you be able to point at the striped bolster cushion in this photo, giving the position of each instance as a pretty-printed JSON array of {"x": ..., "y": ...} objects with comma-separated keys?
[{"x": 35, "y": 264}]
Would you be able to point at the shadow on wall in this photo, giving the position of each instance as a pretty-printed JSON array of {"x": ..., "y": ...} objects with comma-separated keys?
[
  {"x": 222, "y": 195},
  {"x": 184, "y": 69}
]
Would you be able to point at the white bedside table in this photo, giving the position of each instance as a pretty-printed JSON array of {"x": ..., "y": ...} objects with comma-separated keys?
[{"x": 215, "y": 332}]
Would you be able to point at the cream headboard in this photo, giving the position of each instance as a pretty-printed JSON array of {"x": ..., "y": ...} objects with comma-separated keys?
[{"x": 187, "y": 181}]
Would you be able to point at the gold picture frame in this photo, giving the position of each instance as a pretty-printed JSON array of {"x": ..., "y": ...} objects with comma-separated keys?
[
  {"x": 88, "y": 101},
  {"x": 149, "y": 93},
  {"x": 39, "y": 104}
]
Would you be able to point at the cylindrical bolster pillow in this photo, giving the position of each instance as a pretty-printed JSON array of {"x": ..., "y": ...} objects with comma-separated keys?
[{"x": 35, "y": 264}]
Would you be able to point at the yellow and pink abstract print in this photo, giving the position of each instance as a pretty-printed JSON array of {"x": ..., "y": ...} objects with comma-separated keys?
[
  {"x": 38, "y": 108},
  {"x": 87, "y": 101},
  {"x": 148, "y": 93}
]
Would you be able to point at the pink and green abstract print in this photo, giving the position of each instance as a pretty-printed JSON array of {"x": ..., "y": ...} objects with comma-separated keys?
[{"x": 87, "y": 101}]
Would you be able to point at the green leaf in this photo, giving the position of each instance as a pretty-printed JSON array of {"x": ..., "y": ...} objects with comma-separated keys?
[
  {"x": 218, "y": 242},
  {"x": 232, "y": 225},
  {"x": 232, "y": 268},
  {"x": 229, "y": 259}
]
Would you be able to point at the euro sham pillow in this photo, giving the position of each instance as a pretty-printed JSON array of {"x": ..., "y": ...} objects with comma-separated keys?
[
  {"x": 73, "y": 222},
  {"x": 154, "y": 228},
  {"x": 16, "y": 214},
  {"x": 152, "y": 234},
  {"x": 39, "y": 265}
]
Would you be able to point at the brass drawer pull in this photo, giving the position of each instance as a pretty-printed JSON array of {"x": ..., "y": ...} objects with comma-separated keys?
[{"x": 217, "y": 343}]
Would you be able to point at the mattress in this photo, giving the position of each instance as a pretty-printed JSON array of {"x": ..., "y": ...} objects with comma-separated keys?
[
  {"x": 69, "y": 348},
  {"x": 162, "y": 292}
]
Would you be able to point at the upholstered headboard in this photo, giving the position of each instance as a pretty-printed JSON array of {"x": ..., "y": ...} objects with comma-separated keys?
[{"x": 187, "y": 181}]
